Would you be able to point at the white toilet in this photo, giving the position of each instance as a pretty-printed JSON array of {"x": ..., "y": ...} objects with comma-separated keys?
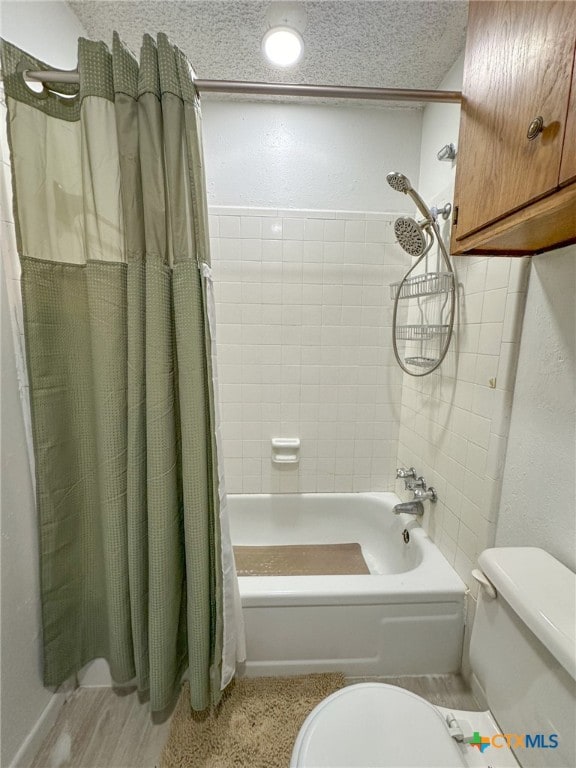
[{"x": 523, "y": 658}]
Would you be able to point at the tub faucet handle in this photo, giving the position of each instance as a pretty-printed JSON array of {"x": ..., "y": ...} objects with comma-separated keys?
[
  {"x": 403, "y": 473},
  {"x": 425, "y": 495},
  {"x": 419, "y": 482}
]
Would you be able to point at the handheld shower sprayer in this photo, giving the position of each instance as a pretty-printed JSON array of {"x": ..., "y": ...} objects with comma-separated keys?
[
  {"x": 427, "y": 341},
  {"x": 401, "y": 183}
]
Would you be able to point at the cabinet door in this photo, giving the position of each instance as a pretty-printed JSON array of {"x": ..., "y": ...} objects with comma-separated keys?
[
  {"x": 519, "y": 58},
  {"x": 568, "y": 167}
]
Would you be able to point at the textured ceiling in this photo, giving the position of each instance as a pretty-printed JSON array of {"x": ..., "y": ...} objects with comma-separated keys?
[{"x": 380, "y": 43}]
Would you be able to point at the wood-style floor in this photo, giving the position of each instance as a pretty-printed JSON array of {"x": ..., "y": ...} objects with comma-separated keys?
[
  {"x": 103, "y": 728},
  {"x": 106, "y": 728}
]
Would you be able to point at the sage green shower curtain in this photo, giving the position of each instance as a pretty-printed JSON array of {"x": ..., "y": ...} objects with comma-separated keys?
[{"x": 112, "y": 235}]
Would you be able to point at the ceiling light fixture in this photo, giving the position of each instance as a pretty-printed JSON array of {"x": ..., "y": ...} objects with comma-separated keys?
[{"x": 283, "y": 46}]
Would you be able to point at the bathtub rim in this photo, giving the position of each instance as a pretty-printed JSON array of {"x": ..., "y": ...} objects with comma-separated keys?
[{"x": 433, "y": 580}]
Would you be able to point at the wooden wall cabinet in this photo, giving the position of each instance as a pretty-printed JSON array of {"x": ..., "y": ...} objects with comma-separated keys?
[{"x": 516, "y": 195}]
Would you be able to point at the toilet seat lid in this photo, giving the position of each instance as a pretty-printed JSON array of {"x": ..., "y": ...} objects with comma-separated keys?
[{"x": 375, "y": 725}]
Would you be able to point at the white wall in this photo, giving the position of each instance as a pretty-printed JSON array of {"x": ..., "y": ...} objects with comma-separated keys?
[
  {"x": 272, "y": 155},
  {"x": 454, "y": 423},
  {"x": 47, "y": 29},
  {"x": 25, "y": 703},
  {"x": 503, "y": 484},
  {"x": 303, "y": 252},
  {"x": 539, "y": 490},
  {"x": 440, "y": 126},
  {"x": 503, "y": 456},
  {"x": 23, "y": 697},
  {"x": 304, "y": 347}
]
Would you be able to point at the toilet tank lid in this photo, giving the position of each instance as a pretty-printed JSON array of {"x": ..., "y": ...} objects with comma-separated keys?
[{"x": 542, "y": 592}]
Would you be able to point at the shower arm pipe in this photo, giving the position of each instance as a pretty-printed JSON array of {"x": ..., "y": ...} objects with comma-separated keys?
[{"x": 284, "y": 89}]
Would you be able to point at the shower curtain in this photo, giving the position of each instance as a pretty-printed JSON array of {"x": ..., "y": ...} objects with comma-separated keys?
[{"x": 109, "y": 196}]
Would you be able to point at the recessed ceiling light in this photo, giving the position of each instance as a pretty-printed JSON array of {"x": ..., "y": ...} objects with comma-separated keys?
[{"x": 283, "y": 46}]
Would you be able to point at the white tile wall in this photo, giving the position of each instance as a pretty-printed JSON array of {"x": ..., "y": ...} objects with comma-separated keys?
[
  {"x": 455, "y": 422},
  {"x": 304, "y": 347}
]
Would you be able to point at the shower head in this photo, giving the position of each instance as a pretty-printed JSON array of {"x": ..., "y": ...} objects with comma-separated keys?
[
  {"x": 401, "y": 183},
  {"x": 398, "y": 181},
  {"x": 411, "y": 236}
]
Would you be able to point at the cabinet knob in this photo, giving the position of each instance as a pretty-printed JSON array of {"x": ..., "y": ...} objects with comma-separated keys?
[{"x": 535, "y": 127}]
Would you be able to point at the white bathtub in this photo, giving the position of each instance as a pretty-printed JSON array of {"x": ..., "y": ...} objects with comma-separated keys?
[{"x": 406, "y": 617}]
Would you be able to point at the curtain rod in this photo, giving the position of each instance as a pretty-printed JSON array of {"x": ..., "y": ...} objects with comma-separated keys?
[{"x": 286, "y": 89}]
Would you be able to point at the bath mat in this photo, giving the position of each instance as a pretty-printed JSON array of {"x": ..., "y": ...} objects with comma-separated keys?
[
  {"x": 301, "y": 560},
  {"x": 255, "y": 725}
]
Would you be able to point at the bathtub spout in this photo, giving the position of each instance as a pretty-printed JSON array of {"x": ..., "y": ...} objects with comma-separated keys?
[{"x": 410, "y": 508}]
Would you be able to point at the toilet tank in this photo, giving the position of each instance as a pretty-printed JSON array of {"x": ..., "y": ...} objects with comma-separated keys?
[{"x": 523, "y": 653}]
